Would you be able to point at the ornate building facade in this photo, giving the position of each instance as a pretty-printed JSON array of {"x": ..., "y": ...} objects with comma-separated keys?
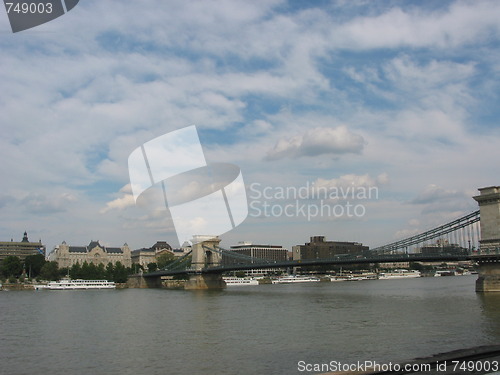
[
  {"x": 145, "y": 256},
  {"x": 94, "y": 252}
]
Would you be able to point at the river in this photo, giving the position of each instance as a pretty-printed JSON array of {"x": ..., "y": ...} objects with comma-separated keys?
[{"x": 265, "y": 329}]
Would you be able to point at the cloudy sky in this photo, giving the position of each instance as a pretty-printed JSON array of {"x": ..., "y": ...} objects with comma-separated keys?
[{"x": 401, "y": 96}]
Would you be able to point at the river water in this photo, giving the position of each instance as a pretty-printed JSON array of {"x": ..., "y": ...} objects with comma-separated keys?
[{"x": 265, "y": 329}]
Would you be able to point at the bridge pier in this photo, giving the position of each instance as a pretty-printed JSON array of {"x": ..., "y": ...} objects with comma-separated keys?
[
  {"x": 138, "y": 281},
  {"x": 204, "y": 257},
  {"x": 489, "y": 277},
  {"x": 205, "y": 281},
  {"x": 488, "y": 256}
]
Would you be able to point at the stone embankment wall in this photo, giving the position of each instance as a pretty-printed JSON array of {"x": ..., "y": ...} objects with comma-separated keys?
[
  {"x": 137, "y": 281},
  {"x": 16, "y": 286}
]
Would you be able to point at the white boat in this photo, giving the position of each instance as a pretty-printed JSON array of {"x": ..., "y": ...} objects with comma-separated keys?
[
  {"x": 354, "y": 276},
  {"x": 445, "y": 273},
  {"x": 347, "y": 277},
  {"x": 77, "y": 284},
  {"x": 399, "y": 274},
  {"x": 337, "y": 278},
  {"x": 232, "y": 281},
  {"x": 295, "y": 279}
]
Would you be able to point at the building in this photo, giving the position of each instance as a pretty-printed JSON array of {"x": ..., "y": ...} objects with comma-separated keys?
[
  {"x": 394, "y": 265},
  {"x": 185, "y": 248},
  {"x": 443, "y": 247},
  {"x": 318, "y": 248},
  {"x": 21, "y": 249},
  {"x": 94, "y": 252},
  {"x": 145, "y": 256},
  {"x": 267, "y": 252}
]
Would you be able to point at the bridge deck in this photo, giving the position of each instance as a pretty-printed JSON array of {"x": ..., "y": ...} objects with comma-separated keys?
[{"x": 318, "y": 262}]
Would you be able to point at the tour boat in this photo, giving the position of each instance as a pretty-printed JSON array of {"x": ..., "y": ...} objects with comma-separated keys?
[
  {"x": 77, "y": 284},
  {"x": 295, "y": 279},
  {"x": 347, "y": 277},
  {"x": 398, "y": 274},
  {"x": 232, "y": 281},
  {"x": 354, "y": 276}
]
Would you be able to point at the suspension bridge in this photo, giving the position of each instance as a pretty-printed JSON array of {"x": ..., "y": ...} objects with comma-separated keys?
[
  {"x": 457, "y": 240},
  {"x": 463, "y": 231}
]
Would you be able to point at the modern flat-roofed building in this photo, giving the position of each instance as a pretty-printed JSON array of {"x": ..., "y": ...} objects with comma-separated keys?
[
  {"x": 66, "y": 255},
  {"x": 21, "y": 249},
  {"x": 266, "y": 252},
  {"x": 318, "y": 248}
]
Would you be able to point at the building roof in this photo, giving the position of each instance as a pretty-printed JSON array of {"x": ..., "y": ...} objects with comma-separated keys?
[
  {"x": 77, "y": 249},
  {"x": 23, "y": 242},
  {"x": 93, "y": 244},
  {"x": 161, "y": 245},
  {"x": 143, "y": 250},
  {"x": 113, "y": 250}
]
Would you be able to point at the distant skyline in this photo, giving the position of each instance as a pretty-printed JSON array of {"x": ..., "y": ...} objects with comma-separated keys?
[{"x": 397, "y": 96}]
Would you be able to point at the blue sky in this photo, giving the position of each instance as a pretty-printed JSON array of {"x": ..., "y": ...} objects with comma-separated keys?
[{"x": 401, "y": 95}]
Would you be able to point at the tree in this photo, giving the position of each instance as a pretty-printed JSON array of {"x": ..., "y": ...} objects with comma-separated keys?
[
  {"x": 85, "y": 273},
  {"x": 91, "y": 272},
  {"x": 152, "y": 267},
  {"x": 11, "y": 266},
  {"x": 120, "y": 274},
  {"x": 63, "y": 272},
  {"x": 101, "y": 272},
  {"x": 76, "y": 271},
  {"x": 110, "y": 272},
  {"x": 50, "y": 271},
  {"x": 136, "y": 268},
  {"x": 33, "y": 264},
  {"x": 164, "y": 259}
]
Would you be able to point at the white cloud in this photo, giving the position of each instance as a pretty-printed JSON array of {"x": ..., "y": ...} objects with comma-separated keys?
[
  {"x": 119, "y": 203},
  {"x": 352, "y": 180},
  {"x": 42, "y": 204},
  {"x": 434, "y": 193},
  {"x": 256, "y": 128},
  {"x": 405, "y": 233},
  {"x": 462, "y": 23},
  {"x": 405, "y": 72},
  {"x": 318, "y": 141},
  {"x": 436, "y": 199}
]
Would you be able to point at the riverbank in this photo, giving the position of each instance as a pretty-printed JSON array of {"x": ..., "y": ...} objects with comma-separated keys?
[{"x": 477, "y": 360}]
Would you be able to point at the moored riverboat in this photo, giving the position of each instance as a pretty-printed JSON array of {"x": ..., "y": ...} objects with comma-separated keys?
[{"x": 68, "y": 284}]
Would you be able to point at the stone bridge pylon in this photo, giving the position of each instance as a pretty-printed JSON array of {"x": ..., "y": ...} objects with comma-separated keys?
[
  {"x": 204, "y": 257},
  {"x": 488, "y": 256}
]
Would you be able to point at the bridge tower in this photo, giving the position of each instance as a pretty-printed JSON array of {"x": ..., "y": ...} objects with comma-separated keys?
[
  {"x": 488, "y": 257},
  {"x": 204, "y": 257}
]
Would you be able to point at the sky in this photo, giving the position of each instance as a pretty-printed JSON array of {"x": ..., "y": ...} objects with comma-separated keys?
[{"x": 398, "y": 99}]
